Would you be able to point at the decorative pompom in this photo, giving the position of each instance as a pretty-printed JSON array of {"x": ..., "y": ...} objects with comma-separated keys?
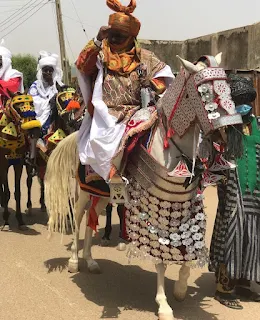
[{"x": 73, "y": 105}]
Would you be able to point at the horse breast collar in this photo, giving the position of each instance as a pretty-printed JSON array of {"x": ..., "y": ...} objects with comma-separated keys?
[{"x": 199, "y": 96}]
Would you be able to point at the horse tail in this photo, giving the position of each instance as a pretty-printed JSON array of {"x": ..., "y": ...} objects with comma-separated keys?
[{"x": 60, "y": 173}]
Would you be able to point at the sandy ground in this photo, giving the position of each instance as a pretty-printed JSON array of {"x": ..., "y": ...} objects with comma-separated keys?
[{"x": 35, "y": 284}]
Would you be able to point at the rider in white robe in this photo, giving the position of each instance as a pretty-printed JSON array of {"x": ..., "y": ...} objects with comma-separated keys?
[{"x": 44, "y": 88}]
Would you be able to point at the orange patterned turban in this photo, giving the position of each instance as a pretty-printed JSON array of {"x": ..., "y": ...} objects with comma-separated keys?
[{"x": 123, "y": 19}]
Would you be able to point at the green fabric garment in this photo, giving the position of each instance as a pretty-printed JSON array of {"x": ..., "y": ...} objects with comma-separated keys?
[{"x": 247, "y": 165}]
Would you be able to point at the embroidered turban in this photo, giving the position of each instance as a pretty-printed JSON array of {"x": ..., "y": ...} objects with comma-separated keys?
[{"x": 123, "y": 18}]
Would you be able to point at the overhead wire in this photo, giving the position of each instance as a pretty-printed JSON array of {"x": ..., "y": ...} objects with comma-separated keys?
[
  {"x": 76, "y": 11},
  {"x": 28, "y": 17},
  {"x": 18, "y": 13},
  {"x": 13, "y": 10},
  {"x": 67, "y": 17}
]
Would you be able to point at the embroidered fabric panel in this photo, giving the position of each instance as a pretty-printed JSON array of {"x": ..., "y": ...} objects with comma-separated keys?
[
  {"x": 121, "y": 90},
  {"x": 169, "y": 100},
  {"x": 209, "y": 74},
  {"x": 190, "y": 107}
]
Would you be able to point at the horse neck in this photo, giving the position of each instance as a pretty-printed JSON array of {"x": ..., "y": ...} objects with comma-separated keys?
[{"x": 169, "y": 157}]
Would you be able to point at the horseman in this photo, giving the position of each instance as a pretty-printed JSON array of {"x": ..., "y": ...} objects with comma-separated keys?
[
  {"x": 44, "y": 88},
  {"x": 10, "y": 78},
  {"x": 235, "y": 246},
  {"x": 112, "y": 71}
]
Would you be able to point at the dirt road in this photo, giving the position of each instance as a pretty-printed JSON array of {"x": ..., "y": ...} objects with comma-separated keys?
[{"x": 35, "y": 284}]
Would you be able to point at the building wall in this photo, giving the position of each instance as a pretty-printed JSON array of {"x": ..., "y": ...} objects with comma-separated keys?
[{"x": 240, "y": 47}]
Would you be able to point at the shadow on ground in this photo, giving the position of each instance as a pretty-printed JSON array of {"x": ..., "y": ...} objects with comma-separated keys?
[
  {"x": 121, "y": 288},
  {"x": 34, "y": 219}
]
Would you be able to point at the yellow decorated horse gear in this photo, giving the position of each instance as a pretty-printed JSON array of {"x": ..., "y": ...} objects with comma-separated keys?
[
  {"x": 3, "y": 120},
  {"x": 27, "y": 117},
  {"x": 57, "y": 136},
  {"x": 10, "y": 130},
  {"x": 66, "y": 95}
]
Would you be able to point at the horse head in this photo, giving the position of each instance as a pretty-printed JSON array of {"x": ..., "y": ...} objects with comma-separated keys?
[
  {"x": 65, "y": 105},
  {"x": 20, "y": 109},
  {"x": 200, "y": 94}
]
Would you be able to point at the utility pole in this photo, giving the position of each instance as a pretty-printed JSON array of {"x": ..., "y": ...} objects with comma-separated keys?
[{"x": 63, "y": 57}]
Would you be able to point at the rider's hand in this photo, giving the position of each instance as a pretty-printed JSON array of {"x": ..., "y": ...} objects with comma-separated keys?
[{"x": 103, "y": 33}]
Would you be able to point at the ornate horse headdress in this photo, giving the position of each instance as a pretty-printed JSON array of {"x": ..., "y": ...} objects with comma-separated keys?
[{"x": 203, "y": 93}]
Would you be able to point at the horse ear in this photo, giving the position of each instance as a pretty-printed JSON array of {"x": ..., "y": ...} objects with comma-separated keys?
[
  {"x": 189, "y": 66},
  {"x": 218, "y": 58},
  {"x": 58, "y": 87}
]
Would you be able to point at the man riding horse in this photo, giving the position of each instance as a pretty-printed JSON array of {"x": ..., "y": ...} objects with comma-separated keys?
[
  {"x": 44, "y": 88},
  {"x": 10, "y": 78},
  {"x": 112, "y": 70},
  {"x": 57, "y": 108}
]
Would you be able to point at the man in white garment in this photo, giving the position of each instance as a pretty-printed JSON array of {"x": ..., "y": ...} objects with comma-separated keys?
[
  {"x": 44, "y": 88},
  {"x": 10, "y": 78}
]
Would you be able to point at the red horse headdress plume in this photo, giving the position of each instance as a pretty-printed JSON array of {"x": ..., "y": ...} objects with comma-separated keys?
[{"x": 123, "y": 18}]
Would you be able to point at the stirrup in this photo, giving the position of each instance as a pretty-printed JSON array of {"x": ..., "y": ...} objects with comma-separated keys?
[{"x": 118, "y": 189}]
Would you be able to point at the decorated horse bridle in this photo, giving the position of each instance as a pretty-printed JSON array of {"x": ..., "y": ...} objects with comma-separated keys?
[
  {"x": 68, "y": 97},
  {"x": 199, "y": 96},
  {"x": 27, "y": 114}
]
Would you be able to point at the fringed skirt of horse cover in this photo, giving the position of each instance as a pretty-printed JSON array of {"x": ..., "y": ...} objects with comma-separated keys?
[{"x": 236, "y": 236}]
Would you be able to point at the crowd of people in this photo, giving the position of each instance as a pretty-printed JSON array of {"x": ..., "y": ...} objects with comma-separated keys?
[{"x": 113, "y": 75}]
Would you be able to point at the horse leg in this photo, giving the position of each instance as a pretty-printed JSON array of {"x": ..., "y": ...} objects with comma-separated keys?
[
  {"x": 181, "y": 285},
  {"x": 18, "y": 169},
  {"x": 79, "y": 212},
  {"x": 29, "y": 181},
  {"x": 121, "y": 214},
  {"x": 42, "y": 199},
  {"x": 93, "y": 266},
  {"x": 165, "y": 311},
  {"x": 108, "y": 228},
  {"x": 6, "y": 197}
]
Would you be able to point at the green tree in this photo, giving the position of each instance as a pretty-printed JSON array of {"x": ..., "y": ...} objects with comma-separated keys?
[{"x": 27, "y": 64}]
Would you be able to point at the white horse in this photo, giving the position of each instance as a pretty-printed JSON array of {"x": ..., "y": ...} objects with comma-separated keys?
[{"x": 64, "y": 160}]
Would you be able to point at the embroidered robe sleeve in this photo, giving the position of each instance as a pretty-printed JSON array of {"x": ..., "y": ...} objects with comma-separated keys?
[
  {"x": 158, "y": 84},
  {"x": 87, "y": 59}
]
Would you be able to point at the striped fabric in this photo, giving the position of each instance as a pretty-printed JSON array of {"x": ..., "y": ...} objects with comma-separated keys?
[{"x": 236, "y": 236}]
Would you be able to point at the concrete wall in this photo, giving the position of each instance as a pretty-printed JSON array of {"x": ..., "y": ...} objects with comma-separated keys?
[{"x": 240, "y": 47}]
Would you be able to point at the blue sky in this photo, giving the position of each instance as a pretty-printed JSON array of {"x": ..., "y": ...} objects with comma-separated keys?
[{"x": 161, "y": 20}]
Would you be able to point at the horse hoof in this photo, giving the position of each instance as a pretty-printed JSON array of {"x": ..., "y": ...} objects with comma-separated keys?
[
  {"x": 121, "y": 246},
  {"x": 179, "y": 293},
  {"x": 166, "y": 316},
  {"x": 105, "y": 243},
  {"x": 23, "y": 227},
  {"x": 6, "y": 227},
  {"x": 94, "y": 268},
  {"x": 28, "y": 212},
  {"x": 73, "y": 266}
]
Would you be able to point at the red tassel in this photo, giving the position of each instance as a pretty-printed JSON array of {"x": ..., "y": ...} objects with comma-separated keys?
[
  {"x": 73, "y": 105},
  {"x": 169, "y": 134},
  {"x": 166, "y": 143},
  {"x": 93, "y": 218}
]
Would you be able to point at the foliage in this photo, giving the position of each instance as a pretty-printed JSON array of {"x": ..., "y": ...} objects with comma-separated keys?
[{"x": 27, "y": 64}]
